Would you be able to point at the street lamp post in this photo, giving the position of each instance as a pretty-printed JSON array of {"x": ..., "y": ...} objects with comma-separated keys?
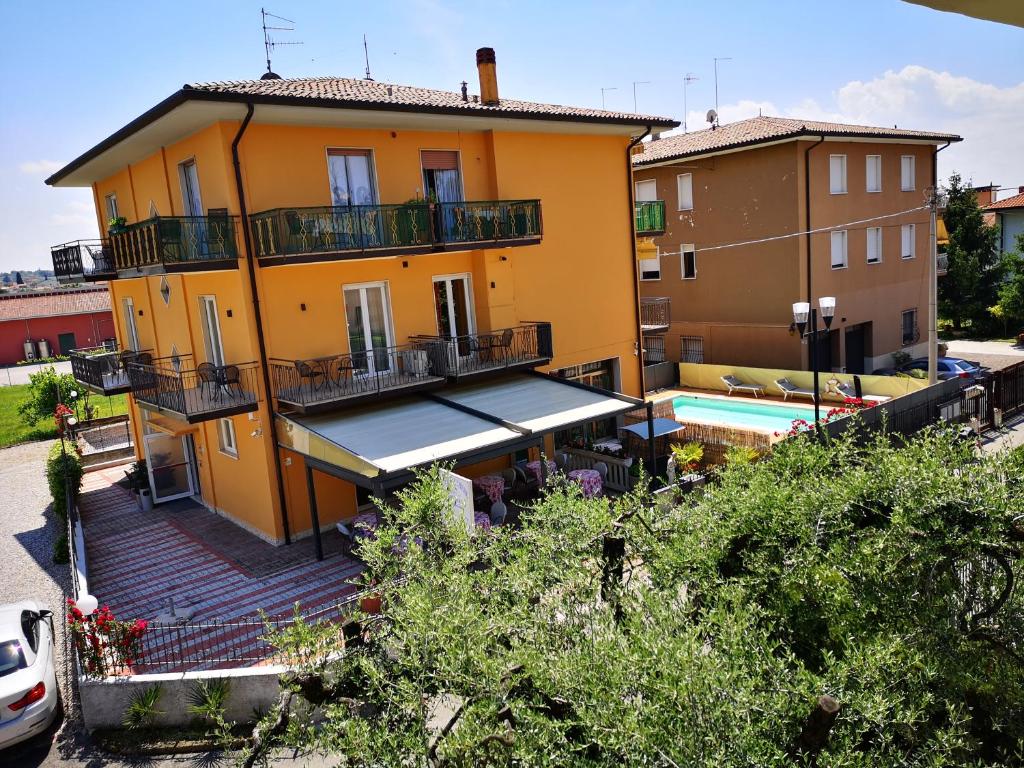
[{"x": 802, "y": 310}]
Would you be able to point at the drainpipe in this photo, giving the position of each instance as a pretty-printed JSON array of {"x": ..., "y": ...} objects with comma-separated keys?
[
  {"x": 933, "y": 274},
  {"x": 807, "y": 222},
  {"x": 244, "y": 216},
  {"x": 636, "y": 267}
]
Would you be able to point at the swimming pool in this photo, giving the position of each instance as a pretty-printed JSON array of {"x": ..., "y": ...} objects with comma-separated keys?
[{"x": 763, "y": 417}]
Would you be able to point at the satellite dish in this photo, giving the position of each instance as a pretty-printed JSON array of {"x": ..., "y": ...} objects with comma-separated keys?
[{"x": 712, "y": 116}]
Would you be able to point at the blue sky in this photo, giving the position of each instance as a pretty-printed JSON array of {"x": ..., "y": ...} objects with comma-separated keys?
[{"x": 75, "y": 73}]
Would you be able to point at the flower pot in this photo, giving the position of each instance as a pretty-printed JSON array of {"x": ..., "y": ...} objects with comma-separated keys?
[{"x": 370, "y": 604}]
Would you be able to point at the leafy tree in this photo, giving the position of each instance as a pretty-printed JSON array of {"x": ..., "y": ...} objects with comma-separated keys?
[
  {"x": 47, "y": 389},
  {"x": 971, "y": 284},
  {"x": 18, "y": 279},
  {"x": 605, "y": 633},
  {"x": 1011, "y": 292}
]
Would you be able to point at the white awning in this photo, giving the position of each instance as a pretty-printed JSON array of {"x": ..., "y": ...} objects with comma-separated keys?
[{"x": 453, "y": 424}]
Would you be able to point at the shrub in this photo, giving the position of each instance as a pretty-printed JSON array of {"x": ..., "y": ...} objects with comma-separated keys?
[
  {"x": 688, "y": 455},
  {"x": 63, "y": 462},
  {"x": 61, "y": 554},
  {"x": 142, "y": 711},
  {"x": 46, "y": 390}
]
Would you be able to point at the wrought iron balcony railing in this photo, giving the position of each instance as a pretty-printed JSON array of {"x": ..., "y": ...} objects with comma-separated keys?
[
  {"x": 525, "y": 346},
  {"x": 655, "y": 314},
  {"x": 176, "y": 244},
  {"x": 650, "y": 217},
  {"x": 307, "y": 234},
  {"x": 313, "y": 384},
  {"x": 104, "y": 369},
  {"x": 206, "y": 392},
  {"x": 82, "y": 261}
]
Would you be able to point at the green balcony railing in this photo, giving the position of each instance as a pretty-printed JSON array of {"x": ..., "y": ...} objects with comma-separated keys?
[
  {"x": 650, "y": 217},
  {"x": 175, "y": 243},
  {"x": 368, "y": 229}
]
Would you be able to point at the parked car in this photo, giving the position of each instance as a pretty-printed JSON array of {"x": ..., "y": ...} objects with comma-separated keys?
[
  {"x": 29, "y": 699},
  {"x": 949, "y": 368}
]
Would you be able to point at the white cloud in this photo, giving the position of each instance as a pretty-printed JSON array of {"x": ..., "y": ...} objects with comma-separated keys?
[
  {"x": 40, "y": 167},
  {"x": 990, "y": 118},
  {"x": 75, "y": 213}
]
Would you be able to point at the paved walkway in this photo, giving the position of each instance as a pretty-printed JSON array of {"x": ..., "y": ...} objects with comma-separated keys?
[{"x": 991, "y": 354}]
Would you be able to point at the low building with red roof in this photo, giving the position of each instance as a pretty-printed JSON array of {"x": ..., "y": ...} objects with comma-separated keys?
[{"x": 63, "y": 319}]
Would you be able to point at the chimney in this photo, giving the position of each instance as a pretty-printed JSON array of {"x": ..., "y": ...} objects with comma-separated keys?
[
  {"x": 1020, "y": 190},
  {"x": 488, "y": 76}
]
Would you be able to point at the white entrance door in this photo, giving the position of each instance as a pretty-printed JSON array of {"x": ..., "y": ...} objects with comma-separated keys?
[
  {"x": 368, "y": 316},
  {"x": 171, "y": 466}
]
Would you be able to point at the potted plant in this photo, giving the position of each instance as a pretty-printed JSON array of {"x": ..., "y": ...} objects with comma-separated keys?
[{"x": 116, "y": 225}]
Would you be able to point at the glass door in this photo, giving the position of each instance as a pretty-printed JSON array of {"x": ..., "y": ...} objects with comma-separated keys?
[
  {"x": 190, "y": 235},
  {"x": 453, "y": 305},
  {"x": 351, "y": 176},
  {"x": 170, "y": 463},
  {"x": 132, "y": 330},
  {"x": 368, "y": 317},
  {"x": 211, "y": 330}
]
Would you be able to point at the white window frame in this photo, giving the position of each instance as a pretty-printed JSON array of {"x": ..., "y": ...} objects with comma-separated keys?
[
  {"x": 684, "y": 249},
  {"x": 905, "y": 251},
  {"x": 835, "y": 188},
  {"x": 656, "y": 259},
  {"x": 645, "y": 184},
  {"x": 905, "y": 185},
  {"x": 227, "y": 438},
  {"x": 875, "y": 236},
  {"x": 111, "y": 203},
  {"x": 679, "y": 191},
  {"x": 842, "y": 240},
  {"x": 128, "y": 307},
  {"x": 213, "y": 339},
  {"x": 876, "y": 160},
  {"x": 185, "y": 184}
]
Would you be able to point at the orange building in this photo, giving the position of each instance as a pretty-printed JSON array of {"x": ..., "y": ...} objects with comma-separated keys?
[
  {"x": 321, "y": 284},
  {"x": 723, "y": 258}
]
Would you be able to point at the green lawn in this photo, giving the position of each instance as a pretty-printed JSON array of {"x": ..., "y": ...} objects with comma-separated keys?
[{"x": 13, "y": 430}]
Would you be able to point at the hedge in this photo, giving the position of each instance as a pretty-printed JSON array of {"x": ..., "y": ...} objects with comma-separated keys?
[{"x": 59, "y": 463}]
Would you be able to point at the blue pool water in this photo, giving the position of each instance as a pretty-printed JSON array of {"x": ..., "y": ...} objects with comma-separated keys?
[{"x": 766, "y": 417}]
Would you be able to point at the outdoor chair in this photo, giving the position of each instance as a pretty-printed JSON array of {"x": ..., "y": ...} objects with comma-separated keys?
[
  {"x": 510, "y": 477},
  {"x": 602, "y": 469},
  {"x": 231, "y": 380},
  {"x": 169, "y": 231},
  {"x": 207, "y": 375},
  {"x": 143, "y": 358},
  {"x": 498, "y": 513},
  {"x": 849, "y": 390},
  {"x": 790, "y": 389},
  {"x": 310, "y": 375},
  {"x": 496, "y": 346},
  {"x": 735, "y": 385}
]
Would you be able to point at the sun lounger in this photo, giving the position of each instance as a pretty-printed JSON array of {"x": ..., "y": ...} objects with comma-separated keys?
[
  {"x": 736, "y": 385},
  {"x": 789, "y": 388},
  {"x": 848, "y": 390}
]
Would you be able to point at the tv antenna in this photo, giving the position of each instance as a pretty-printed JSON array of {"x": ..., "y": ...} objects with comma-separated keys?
[
  {"x": 603, "y": 92},
  {"x": 269, "y": 43},
  {"x": 718, "y": 59},
  {"x": 366, "y": 55},
  {"x": 635, "y": 84},
  {"x": 688, "y": 78}
]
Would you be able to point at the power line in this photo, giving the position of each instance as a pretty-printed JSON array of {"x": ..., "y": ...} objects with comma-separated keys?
[{"x": 847, "y": 225}]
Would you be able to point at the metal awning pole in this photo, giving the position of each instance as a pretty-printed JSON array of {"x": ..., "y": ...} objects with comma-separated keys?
[
  {"x": 652, "y": 455},
  {"x": 314, "y": 514}
]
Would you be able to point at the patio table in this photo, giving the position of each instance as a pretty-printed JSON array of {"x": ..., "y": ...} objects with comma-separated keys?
[
  {"x": 492, "y": 485},
  {"x": 589, "y": 481},
  {"x": 534, "y": 466}
]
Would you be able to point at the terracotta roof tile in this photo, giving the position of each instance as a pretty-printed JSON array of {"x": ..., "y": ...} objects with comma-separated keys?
[
  {"x": 345, "y": 91},
  {"x": 20, "y": 306},
  {"x": 1017, "y": 201},
  {"x": 760, "y": 130}
]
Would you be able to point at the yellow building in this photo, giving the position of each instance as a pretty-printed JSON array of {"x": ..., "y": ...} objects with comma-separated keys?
[{"x": 357, "y": 278}]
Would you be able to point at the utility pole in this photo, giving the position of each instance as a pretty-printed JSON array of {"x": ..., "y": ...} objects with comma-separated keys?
[{"x": 933, "y": 288}]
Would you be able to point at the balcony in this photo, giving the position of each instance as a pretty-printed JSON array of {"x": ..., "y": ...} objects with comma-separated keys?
[
  {"x": 207, "y": 392},
  {"x": 297, "y": 235},
  {"x": 655, "y": 314},
  {"x": 104, "y": 370},
  {"x": 165, "y": 244},
  {"x": 491, "y": 352},
  {"x": 321, "y": 383},
  {"x": 941, "y": 264},
  {"x": 82, "y": 261},
  {"x": 650, "y": 217}
]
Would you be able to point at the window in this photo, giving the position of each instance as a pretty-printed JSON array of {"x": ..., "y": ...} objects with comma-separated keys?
[
  {"x": 910, "y": 331},
  {"x": 165, "y": 291},
  {"x": 350, "y": 172},
  {"x": 111, "y": 201},
  {"x": 211, "y": 330},
  {"x": 654, "y": 349},
  {"x": 688, "y": 258},
  {"x": 907, "y": 172},
  {"x": 441, "y": 179},
  {"x": 837, "y": 174},
  {"x": 874, "y": 173},
  {"x": 650, "y": 269},
  {"x": 646, "y": 190},
  {"x": 130, "y": 328},
  {"x": 188, "y": 176},
  {"x": 874, "y": 245},
  {"x": 907, "y": 241},
  {"x": 684, "y": 189},
  {"x": 691, "y": 349},
  {"x": 839, "y": 250},
  {"x": 226, "y": 437},
  {"x": 30, "y": 628}
]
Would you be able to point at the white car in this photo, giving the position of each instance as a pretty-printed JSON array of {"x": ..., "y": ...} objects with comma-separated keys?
[{"x": 29, "y": 699}]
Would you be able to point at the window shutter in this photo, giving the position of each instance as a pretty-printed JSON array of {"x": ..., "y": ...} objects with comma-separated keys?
[
  {"x": 874, "y": 173},
  {"x": 439, "y": 160},
  {"x": 837, "y": 174},
  {"x": 907, "y": 173},
  {"x": 646, "y": 190},
  {"x": 907, "y": 249},
  {"x": 838, "y": 249},
  {"x": 684, "y": 182}
]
